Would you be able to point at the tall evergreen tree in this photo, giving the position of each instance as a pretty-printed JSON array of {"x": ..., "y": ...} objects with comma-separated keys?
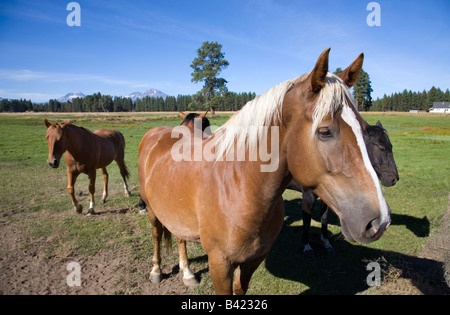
[
  {"x": 362, "y": 91},
  {"x": 208, "y": 64}
]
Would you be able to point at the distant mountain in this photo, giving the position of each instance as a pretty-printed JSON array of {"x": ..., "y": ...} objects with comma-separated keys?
[
  {"x": 70, "y": 97},
  {"x": 151, "y": 93}
]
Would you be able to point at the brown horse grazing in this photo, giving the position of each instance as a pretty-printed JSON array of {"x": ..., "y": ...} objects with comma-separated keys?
[
  {"x": 86, "y": 152},
  {"x": 232, "y": 201}
]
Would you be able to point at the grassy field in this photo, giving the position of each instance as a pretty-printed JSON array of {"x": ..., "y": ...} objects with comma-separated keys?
[{"x": 36, "y": 214}]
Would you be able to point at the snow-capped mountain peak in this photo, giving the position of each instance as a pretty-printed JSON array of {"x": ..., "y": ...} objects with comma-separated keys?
[
  {"x": 150, "y": 93},
  {"x": 70, "y": 97}
]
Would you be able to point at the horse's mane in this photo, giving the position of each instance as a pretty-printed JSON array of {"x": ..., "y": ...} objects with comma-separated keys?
[
  {"x": 242, "y": 127},
  {"x": 266, "y": 109},
  {"x": 70, "y": 124}
]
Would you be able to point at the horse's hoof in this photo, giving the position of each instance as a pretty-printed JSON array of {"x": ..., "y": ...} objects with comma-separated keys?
[
  {"x": 102, "y": 201},
  {"x": 331, "y": 251},
  {"x": 90, "y": 211},
  {"x": 308, "y": 253},
  {"x": 191, "y": 282},
  {"x": 155, "y": 277},
  {"x": 79, "y": 209}
]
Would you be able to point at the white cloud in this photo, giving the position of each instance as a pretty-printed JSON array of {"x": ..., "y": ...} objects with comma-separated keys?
[{"x": 30, "y": 75}]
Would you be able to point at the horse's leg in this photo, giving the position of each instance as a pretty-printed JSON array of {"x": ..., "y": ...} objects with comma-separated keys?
[
  {"x": 188, "y": 276},
  {"x": 105, "y": 178},
  {"x": 92, "y": 176},
  {"x": 324, "y": 235},
  {"x": 305, "y": 237},
  {"x": 221, "y": 271},
  {"x": 142, "y": 206},
  {"x": 244, "y": 274},
  {"x": 157, "y": 232},
  {"x": 71, "y": 179},
  {"x": 308, "y": 199},
  {"x": 124, "y": 172}
]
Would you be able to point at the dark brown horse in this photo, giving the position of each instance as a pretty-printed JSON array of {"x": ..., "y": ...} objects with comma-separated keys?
[
  {"x": 198, "y": 121},
  {"x": 379, "y": 148},
  {"x": 232, "y": 201},
  {"x": 86, "y": 152}
]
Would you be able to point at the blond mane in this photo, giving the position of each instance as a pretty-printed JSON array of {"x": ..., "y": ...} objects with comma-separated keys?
[{"x": 243, "y": 129}]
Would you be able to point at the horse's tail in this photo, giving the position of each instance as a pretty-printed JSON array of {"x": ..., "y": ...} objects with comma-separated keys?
[
  {"x": 126, "y": 173},
  {"x": 123, "y": 168},
  {"x": 167, "y": 240}
]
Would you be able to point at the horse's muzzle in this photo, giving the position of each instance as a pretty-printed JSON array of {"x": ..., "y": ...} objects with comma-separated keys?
[{"x": 53, "y": 164}]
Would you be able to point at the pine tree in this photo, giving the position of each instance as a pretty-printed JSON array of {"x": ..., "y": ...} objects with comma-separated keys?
[
  {"x": 207, "y": 66},
  {"x": 362, "y": 91}
]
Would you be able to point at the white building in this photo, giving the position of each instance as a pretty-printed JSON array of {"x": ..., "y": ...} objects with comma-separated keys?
[{"x": 440, "y": 107}]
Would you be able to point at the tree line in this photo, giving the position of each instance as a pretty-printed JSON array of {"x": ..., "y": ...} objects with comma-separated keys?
[
  {"x": 408, "y": 100},
  {"x": 227, "y": 101}
]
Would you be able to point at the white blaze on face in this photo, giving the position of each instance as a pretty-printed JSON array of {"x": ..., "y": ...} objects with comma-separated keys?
[{"x": 349, "y": 117}]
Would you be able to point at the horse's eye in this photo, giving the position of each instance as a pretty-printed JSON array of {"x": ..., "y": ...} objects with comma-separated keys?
[{"x": 324, "y": 132}]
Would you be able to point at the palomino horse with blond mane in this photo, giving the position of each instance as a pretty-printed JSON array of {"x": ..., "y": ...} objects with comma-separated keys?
[
  {"x": 232, "y": 203},
  {"x": 87, "y": 151}
]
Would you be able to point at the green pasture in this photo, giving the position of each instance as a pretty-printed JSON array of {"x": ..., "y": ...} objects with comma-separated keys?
[{"x": 34, "y": 200}]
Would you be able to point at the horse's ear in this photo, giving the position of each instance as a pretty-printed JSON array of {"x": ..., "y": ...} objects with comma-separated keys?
[
  {"x": 47, "y": 123},
  {"x": 67, "y": 122},
  {"x": 182, "y": 115},
  {"x": 203, "y": 115},
  {"x": 351, "y": 74},
  {"x": 379, "y": 124},
  {"x": 320, "y": 71}
]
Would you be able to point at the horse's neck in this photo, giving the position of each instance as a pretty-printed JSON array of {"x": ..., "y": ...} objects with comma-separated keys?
[
  {"x": 272, "y": 173},
  {"x": 78, "y": 139}
]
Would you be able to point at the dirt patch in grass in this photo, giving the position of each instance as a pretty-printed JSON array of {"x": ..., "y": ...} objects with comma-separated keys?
[
  {"x": 430, "y": 271},
  {"x": 26, "y": 267}
]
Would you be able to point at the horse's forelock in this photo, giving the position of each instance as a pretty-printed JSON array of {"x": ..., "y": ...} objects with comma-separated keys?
[{"x": 332, "y": 97}]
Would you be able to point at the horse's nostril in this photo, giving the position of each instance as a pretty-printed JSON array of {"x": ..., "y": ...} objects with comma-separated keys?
[{"x": 371, "y": 229}]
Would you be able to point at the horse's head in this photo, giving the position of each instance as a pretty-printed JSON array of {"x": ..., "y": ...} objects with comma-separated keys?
[
  {"x": 379, "y": 148},
  {"x": 192, "y": 120},
  {"x": 56, "y": 142},
  {"x": 325, "y": 149}
]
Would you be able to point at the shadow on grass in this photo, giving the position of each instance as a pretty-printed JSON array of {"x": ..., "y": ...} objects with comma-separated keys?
[{"x": 345, "y": 272}]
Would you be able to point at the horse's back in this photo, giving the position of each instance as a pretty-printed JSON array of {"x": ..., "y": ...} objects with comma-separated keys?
[
  {"x": 173, "y": 207},
  {"x": 111, "y": 144}
]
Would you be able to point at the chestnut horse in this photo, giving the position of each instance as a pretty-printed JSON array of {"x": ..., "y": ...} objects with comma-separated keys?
[
  {"x": 86, "y": 152},
  {"x": 379, "y": 148},
  {"x": 232, "y": 201},
  {"x": 191, "y": 120}
]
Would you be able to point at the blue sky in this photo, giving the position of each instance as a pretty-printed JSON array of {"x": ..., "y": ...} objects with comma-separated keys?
[{"x": 127, "y": 46}]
